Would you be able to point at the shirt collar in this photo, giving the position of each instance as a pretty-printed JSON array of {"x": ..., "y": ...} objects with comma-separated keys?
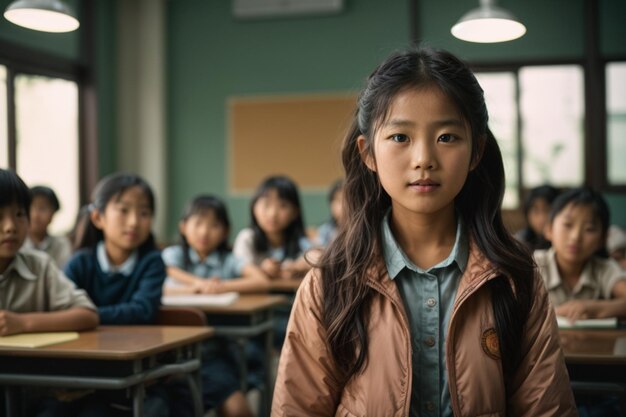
[
  {"x": 212, "y": 260},
  {"x": 43, "y": 245},
  {"x": 554, "y": 277},
  {"x": 105, "y": 265},
  {"x": 396, "y": 259},
  {"x": 18, "y": 267}
]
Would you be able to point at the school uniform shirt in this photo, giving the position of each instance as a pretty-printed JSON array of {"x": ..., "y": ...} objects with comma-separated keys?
[
  {"x": 326, "y": 233},
  {"x": 226, "y": 266},
  {"x": 428, "y": 298},
  {"x": 58, "y": 247},
  {"x": 597, "y": 278},
  {"x": 244, "y": 248},
  {"x": 127, "y": 294},
  {"x": 33, "y": 283}
]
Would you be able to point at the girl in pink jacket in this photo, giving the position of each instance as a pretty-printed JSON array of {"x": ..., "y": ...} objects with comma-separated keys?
[{"x": 423, "y": 304}]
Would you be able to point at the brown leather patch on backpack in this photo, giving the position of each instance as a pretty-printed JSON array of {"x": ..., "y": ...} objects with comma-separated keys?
[{"x": 490, "y": 343}]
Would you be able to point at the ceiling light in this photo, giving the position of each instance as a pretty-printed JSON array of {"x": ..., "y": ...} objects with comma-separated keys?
[
  {"x": 488, "y": 24},
  {"x": 43, "y": 15}
]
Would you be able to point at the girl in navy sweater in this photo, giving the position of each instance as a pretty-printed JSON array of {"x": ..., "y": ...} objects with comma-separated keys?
[{"x": 118, "y": 264}]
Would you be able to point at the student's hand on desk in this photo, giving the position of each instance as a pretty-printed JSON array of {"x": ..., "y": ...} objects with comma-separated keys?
[
  {"x": 288, "y": 270},
  {"x": 578, "y": 310},
  {"x": 211, "y": 286},
  {"x": 271, "y": 267},
  {"x": 10, "y": 323}
]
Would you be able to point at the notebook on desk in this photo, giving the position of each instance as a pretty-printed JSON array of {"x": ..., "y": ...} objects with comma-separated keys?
[
  {"x": 35, "y": 340},
  {"x": 608, "y": 323},
  {"x": 224, "y": 299}
]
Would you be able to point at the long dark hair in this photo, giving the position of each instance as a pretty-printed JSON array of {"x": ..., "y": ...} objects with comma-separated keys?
[
  {"x": 585, "y": 196},
  {"x": 200, "y": 205},
  {"x": 358, "y": 247},
  {"x": 287, "y": 190},
  {"x": 109, "y": 188}
]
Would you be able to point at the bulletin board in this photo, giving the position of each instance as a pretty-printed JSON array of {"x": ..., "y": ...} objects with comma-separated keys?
[{"x": 298, "y": 136}]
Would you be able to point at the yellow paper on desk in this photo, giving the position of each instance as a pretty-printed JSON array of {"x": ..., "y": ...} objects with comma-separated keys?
[
  {"x": 608, "y": 323},
  {"x": 34, "y": 340}
]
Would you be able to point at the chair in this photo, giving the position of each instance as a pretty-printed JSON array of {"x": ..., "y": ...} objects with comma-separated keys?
[
  {"x": 602, "y": 389},
  {"x": 180, "y": 316}
]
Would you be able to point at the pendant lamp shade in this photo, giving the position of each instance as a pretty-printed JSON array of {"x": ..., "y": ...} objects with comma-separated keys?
[
  {"x": 488, "y": 24},
  {"x": 43, "y": 15}
]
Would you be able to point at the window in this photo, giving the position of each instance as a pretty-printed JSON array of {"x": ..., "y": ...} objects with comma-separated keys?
[
  {"x": 500, "y": 95},
  {"x": 4, "y": 129},
  {"x": 544, "y": 144},
  {"x": 46, "y": 141},
  {"x": 616, "y": 122}
]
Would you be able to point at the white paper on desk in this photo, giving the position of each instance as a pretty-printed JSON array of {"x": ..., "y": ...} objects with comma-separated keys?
[
  {"x": 608, "y": 323},
  {"x": 223, "y": 299}
]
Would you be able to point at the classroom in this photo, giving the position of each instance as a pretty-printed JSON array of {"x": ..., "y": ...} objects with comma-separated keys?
[{"x": 201, "y": 97}]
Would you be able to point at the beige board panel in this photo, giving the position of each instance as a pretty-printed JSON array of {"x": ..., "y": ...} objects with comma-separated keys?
[{"x": 295, "y": 136}]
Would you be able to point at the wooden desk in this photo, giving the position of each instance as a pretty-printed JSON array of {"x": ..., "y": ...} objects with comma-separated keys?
[
  {"x": 596, "y": 361},
  {"x": 110, "y": 357},
  {"x": 285, "y": 286},
  {"x": 249, "y": 316},
  {"x": 594, "y": 347}
]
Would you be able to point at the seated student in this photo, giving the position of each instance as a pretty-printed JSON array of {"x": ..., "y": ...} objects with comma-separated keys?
[
  {"x": 119, "y": 266},
  {"x": 276, "y": 239},
  {"x": 582, "y": 283},
  {"x": 43, "y": 206},
  {"x": 328, "y": 230},
  {"x": 536, "y": 211},
  {"x": 203, "y": 264},
  {"x": 616, "y": 245},
  {"x": 35, "y": 296}
]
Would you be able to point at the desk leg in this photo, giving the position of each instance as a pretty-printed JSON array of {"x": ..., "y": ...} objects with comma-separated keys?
[
  {"x": 195, "y": 384},
  {"x": 269, "y": 387},
  {"x": 10, "y": 401},
  {"x": 243, "y": 363},
  {"x": 139, "y": 392}
]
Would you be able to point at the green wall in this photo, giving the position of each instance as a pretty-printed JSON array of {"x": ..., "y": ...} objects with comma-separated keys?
[
  {"x": 105, "y": 70},
  {"x": 212, "y": 56}
]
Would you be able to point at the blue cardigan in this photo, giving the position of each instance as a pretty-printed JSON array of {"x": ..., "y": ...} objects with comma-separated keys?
[{"x": 121, "y": 299}]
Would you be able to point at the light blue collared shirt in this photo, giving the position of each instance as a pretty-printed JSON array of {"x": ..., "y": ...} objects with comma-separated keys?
[
  {"x": 428, "y": 297},
  {"x": 126, "y": 268},
  {"x": 214, "y": 265}
]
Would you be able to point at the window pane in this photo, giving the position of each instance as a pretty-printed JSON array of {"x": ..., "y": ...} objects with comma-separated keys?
[
  {"x": 552, "y": 115},
  {"x": 47, "y": 140},
  {"x": 499, "y": 90},
  {"x": 4, "y": 139},
  {"x": 616, "y": 121}
]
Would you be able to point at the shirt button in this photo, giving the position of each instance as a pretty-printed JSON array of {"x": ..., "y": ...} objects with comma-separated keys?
[
  {"x": 431, "y": 302},
  {"x": 430, "y": 341},
  {"x": 430, "y": 406}
]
